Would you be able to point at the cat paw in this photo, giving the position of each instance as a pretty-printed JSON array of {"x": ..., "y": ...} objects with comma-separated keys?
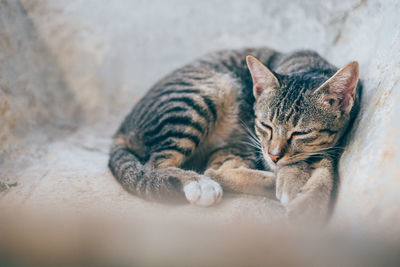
[
  {"x": 308, "y": 207},
  {"x": 286, "y": 191},
  {"x": 204, "y": 192},
  {"x": 290, "y": 181}
]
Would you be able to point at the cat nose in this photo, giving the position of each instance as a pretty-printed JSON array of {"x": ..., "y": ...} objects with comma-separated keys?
[{"x": 275, "y": 157}]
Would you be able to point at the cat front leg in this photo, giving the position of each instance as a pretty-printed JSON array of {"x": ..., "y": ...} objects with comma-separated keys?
[
  {"x": 312, "y": 203},
  {"x": 290, "y": 179},
  {"x": 237, "y": 174}
]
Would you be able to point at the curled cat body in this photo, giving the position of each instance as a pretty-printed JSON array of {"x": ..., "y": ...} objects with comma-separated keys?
[{"x": 251, "y": 121}]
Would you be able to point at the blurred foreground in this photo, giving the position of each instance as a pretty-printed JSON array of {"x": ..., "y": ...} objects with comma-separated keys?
[{"x": 69, "y": 239}]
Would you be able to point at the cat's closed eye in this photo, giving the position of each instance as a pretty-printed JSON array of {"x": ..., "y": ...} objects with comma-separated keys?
[
  {"x": 266, "y": 126},
  {"x": 299, "y": 134}
]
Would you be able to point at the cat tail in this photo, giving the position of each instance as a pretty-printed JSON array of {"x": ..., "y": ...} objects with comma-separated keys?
[{"x": 141, "y": 180}]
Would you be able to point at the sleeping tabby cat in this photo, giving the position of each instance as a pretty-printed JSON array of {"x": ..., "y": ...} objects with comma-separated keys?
[{"x": 253, "y": 121}]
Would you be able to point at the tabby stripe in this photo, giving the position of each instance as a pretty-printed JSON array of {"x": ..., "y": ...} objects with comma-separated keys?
[
  {"x": 158, "y": 157},
  {"x": 159, "y": 94},
  {"x": 272, "y": 114},
  {"x": 271, "y": 59},
  {"x": 300, "y": 54},
  {"x": 122, "y": 159},
  {"x": 175, "y": 120},
  {"x": 309, "y": 139},
  {"x": 117, "y": 151},
  {"x": 189, "y": 102},
  {"x": 233, "y": 62},
  {"x": 141, "y": 186},
  {"x": 211, "y": 106},
  {"x": 161, "y": 114},
  {"x": 330, "y": 132},
  {"x": 166, "y": 143},
  {"x": 196, "y": 78},
  {"x": 173, "y": 134},
  {"x": 139, "y": 110},
  {"x": 176, "y": 83},
  {"x": 178, "y": 91},
  {"x": 124, "y": 167},
  {"x": 183, "y": 151},
  {"x": 295, "y": 104},
  {"x": 121, "y": 153},
  {"x": 296, "y": 118},
  {"x": 227, "y": 159},
  {"x": 226, "y": 65},
  {"x": 155, "y": 108},
  {"x": 283, "y": 101}
]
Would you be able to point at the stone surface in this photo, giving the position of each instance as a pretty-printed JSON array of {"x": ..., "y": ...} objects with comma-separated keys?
[
  {"x": 70, "y": 70},
  {"x": 33, "y": 91}
]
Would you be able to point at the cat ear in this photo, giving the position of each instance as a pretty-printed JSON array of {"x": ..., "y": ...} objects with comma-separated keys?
[
  {"x": 340, "y": 89},
  {"x": 263, "y": 78}
]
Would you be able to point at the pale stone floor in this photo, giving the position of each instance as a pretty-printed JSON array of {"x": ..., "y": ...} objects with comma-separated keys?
[{"x": 72, "y": 172}]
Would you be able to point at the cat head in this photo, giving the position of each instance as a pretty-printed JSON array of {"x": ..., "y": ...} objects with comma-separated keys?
[{"x": 302, "y": 115}]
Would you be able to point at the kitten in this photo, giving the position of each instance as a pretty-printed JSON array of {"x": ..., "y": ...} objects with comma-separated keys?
[{"x": 253, "y": 121}]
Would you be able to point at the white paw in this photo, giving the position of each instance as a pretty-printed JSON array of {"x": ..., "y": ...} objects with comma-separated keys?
[
  {"x": 284, "y": 199},
  {"x": 204, "y": 192}
]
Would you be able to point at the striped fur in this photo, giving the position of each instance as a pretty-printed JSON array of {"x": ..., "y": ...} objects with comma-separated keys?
[{"x": 203, "y": 121}]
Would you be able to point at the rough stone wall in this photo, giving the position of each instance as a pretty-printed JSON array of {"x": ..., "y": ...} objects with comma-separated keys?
[
  {"x": 370, "y": 175},
  {"x": 111, "y": 55},
  {"x": 33, "y": 94},
  {"x": 58, "y": 58}
]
